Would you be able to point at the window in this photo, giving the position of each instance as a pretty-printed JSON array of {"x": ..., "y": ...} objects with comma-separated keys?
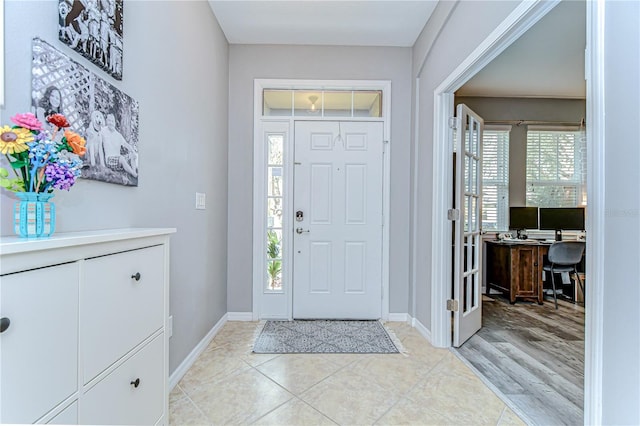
[
  {"x": 322, "y": 103},
  {"x": 495, "y": 178},
  {"x": 556, "y": 167},
  {"x": 275, "y": 147}
]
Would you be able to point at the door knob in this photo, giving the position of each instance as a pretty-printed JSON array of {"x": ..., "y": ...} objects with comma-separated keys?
[{"x": 300, "y": 230}]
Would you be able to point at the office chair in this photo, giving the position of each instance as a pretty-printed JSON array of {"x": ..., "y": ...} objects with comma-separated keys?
[{"x": 564, "y": 256}]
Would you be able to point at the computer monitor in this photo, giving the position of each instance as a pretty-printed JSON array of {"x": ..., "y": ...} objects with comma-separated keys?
[
  {"x": 562, "y": 218},
  {"x": 521, "y": 218}
]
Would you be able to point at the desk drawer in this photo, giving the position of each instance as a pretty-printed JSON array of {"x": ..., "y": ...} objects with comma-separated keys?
[{"x": 117, "y": 310}]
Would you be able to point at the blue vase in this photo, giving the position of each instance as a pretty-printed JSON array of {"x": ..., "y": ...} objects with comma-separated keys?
[{"x": 34, "y": 215}]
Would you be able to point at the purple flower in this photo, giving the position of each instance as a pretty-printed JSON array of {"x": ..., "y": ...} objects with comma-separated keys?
[{"x": 60, "y": 176}]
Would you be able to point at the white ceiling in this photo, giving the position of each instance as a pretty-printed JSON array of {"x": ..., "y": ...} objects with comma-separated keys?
[
  {"x": 547, "y": 61},
  {"x": 323, "y": 22}
]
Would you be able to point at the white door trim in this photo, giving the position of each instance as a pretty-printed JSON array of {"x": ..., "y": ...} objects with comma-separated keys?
[
  {"x": 259, "y": 195},
  {"x": 525, "y": 15},
  {"x": 594, "y": 318}
]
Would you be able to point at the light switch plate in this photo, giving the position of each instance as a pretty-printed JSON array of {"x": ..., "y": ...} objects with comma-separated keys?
[{"x": 201, "y": 202}]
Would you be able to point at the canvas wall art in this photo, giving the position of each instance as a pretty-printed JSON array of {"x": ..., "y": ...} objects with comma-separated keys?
[
  {"x": 104, "y": 115},
  {"x": 93, "y": 28}
]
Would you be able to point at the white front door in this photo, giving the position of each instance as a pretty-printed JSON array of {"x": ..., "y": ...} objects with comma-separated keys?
[
  {"x": 467, "y": 286},
  {"x": 337, "y": 270}
]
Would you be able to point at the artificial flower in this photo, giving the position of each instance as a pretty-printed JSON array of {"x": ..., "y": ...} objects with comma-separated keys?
[
  {"x": 60, "y": 176},
  {"x": 43, "y": 151},
  {"x": 58, "y": 120},
  {"x": 13, "y": 141},
  {"x": 76, "y": 142},
  {"x": 39, "y": 161},
  {"x": 27, "y": 120},
  {"x": 11, "y": 184}
]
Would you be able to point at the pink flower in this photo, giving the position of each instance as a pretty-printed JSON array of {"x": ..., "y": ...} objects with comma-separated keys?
[{"x": 27, "y": 120}]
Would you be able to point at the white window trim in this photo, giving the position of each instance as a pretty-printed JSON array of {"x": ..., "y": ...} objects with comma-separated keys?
[{"x": 284, "y": 303}]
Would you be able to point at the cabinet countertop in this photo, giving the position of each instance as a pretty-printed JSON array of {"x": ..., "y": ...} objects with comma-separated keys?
[{"x": 15, "y": 245}]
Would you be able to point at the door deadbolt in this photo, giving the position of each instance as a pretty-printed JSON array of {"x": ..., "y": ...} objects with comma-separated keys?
[{"x": 299, "y": 216}]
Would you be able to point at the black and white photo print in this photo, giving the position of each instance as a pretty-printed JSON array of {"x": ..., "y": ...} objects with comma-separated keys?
[
  {"x": 105, "y": 116},
  {"x": 93, "y": 28}
]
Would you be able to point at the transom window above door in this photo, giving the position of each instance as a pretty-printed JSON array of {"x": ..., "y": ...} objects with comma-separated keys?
[{"x": 322, "y": 103}]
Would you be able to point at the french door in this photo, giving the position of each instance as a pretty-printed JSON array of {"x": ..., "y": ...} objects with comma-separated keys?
[{"x": 467, "y": 274}]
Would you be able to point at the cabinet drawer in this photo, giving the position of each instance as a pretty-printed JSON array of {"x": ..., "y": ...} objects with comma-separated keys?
[
  {"x": 39, "y": 355},
  {"x": 114, "y": 400},
  {"x": 117, "y": 311},
  {"x": 68, "y": 416}
]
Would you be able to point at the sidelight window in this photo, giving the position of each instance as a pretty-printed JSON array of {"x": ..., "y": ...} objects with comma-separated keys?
[{"x": 275, "y": 207}]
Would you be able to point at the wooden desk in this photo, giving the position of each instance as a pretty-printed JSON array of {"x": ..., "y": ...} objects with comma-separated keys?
[{"x": 515, "y": 268}]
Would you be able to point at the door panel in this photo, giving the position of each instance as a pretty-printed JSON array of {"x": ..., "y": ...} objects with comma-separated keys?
[
  {"x": 337, "y": 271},
  {"x": 319, "y": 275},
  {"x": 321, "y": 194},
  {"x": 467, "y": 286}
]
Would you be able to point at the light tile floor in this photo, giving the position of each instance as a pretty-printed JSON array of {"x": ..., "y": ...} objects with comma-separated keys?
[{"x": 228, "y": 384}]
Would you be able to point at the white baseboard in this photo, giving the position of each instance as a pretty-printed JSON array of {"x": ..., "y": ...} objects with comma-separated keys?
[
  {"x": 426, "y": 333},
  {"x": 399, "y": 317},
  {"x": 239, "y": 316},
  {"x": 185, "y": 365}
]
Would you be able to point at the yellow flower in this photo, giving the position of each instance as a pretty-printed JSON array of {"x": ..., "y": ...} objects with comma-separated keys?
[{"x": 13, "y": 141}]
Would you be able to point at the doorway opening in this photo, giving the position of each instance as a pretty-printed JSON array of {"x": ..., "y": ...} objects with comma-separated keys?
[
  {"x": 280, "y": 108},
  {"x": 523, "y": 17}
]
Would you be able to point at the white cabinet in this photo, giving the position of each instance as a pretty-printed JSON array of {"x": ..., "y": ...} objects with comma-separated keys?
[
  {"x": 68, "y": 416},
  {"x": 87, "y": 340},
  {"x": 39, "y": 352},
  {"x": 122, "y": 304},
  {"x": 131, "y": 394}
]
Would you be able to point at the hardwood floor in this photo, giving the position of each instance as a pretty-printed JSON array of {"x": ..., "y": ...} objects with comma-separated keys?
[{"x": 534, "y": 356}]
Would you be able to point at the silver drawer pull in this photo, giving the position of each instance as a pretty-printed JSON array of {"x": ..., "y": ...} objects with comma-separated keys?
[
  {"x": 136, "y": 276},
  {"x": 136, "y": 382}
]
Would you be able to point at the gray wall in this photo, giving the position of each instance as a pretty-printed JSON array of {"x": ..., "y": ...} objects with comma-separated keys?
[
  {"x": 621, "y": 244},
  {"x": 176, "y": 67},
  {"x": 513, "y": 109},
  {"x": 248, "y": 62},
  {"x": 465, "y": 25}
]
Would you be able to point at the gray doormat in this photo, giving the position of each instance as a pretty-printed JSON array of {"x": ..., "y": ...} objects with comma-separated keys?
[{"x": 324, "y": 336}]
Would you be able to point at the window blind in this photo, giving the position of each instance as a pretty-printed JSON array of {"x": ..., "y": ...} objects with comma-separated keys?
[
  {"x": 556, "y": 168},
  {"x": 495, "y": 178}
]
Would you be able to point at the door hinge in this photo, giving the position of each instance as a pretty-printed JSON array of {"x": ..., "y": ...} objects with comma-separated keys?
[
  {"x": 453, "y": 214},
  {"x": 384, "y": 146},
  {"x": 452, "y": 305},
  {"x": 453, "y": 123}
]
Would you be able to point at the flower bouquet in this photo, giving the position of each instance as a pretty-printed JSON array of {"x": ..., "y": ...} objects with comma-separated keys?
[{"x": 41, "y": 161}]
